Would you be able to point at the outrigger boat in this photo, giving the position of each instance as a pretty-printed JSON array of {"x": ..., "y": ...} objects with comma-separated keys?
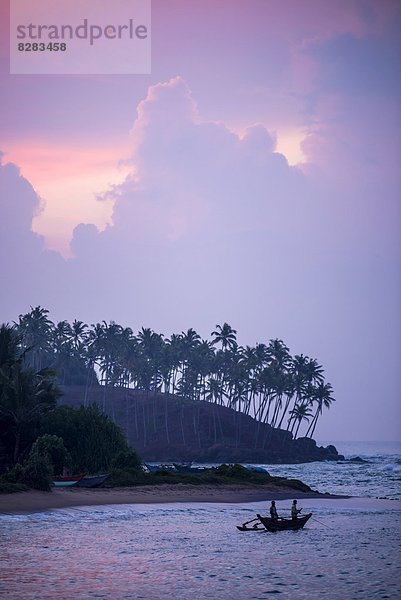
[
  {"x": 92, "y": 481},
  {"x": 255, "y": 527},
  {"x": 284, "y": 524},
  {"x": 67, "y": 480},
  {"x": 268, "y": 524}
]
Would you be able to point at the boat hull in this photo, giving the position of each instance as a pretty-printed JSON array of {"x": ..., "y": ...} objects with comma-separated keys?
[
  {"x": 284, "y": 524},
  {"x": 92, "y": 481},
  {"x": 66, "y": 481}
]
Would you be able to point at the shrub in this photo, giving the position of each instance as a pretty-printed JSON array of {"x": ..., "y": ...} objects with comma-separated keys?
[
  {"x": 37, "y": 472},
  {"x": 120, "y": 477},
  {"x": 126, "y": 460},
  {"x": 237, "y": 471},
  {"x": 52, "y": 447},
  {"x": 91, "y": 437},
  {"x": 10, "y": 488},
  {"x": 14, "y": 475}
]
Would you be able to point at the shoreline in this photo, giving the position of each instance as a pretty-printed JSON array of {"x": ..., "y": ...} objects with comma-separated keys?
[{"x": 36, "y": 501}]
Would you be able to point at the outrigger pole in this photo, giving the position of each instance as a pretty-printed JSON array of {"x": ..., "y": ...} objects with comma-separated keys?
[{"x": 247, "y": 522}]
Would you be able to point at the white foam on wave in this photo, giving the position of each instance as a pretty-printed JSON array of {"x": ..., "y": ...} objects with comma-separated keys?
[{"x": 392, "y": 467}]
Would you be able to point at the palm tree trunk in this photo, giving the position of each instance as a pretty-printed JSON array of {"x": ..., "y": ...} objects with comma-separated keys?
[
  {"x": 314, "y": 421},
  {"x": 87, "y": 387},
  {"x": 166, "y": 420},
  {"x": 198, "y": 428},
  {"x": 104, "y": 396},
  {"x": 284, "y": 411},
  {"x": 261, "y": 408},
  {"x": 182, "y": 425},
  {"x": 136, "y": 417},
  {"x": 154, "y": 413},
  {"x": 220, "y": 425},
  {"x": 126, "y": 413},
  {"x": 144, "y": 424},
  {"x": 214, "y": 422}
]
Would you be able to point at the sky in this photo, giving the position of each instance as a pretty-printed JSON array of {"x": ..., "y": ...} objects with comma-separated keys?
[{"x": 252, "y": 178}]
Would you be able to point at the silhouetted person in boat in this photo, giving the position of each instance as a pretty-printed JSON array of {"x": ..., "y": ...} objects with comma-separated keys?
[
  {"x": 273, "y": 511},
  {"x": 295, "y": 510}
]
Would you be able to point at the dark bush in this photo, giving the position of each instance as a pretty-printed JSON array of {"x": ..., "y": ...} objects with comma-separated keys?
[
  {"x": 126, "y": 460},
  {"x": 37, "y": 472},
  {"x": 52, "y": 447},
  {"x": 237, "y": 471},
  {"x": 91, "y": 437},
  {"x": 10, "y": 488}
]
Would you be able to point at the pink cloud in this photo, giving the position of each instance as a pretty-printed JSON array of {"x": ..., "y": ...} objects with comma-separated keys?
[{"x": 43, "y": 161}]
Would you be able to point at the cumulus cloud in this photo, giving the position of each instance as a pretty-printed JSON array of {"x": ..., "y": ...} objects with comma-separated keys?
[
  {"x": 27, "y": 271},
  {"x": 197, "y": 222},
  {"x": 19, "y": 203},
  {"x": 189, "y": 172},
  {"x": 211, "y": 226}
]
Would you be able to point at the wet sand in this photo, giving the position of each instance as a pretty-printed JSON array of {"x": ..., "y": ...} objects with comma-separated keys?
[{"x": 34, "y": 501}]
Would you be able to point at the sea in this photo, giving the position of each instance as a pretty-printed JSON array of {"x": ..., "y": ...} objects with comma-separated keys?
[{"x": 349, "y": 549}]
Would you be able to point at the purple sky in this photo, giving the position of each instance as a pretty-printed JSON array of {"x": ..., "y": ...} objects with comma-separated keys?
[{"x": 252, "y": 178}]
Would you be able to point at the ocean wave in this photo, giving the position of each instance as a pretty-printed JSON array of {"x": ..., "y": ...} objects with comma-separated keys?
[{"x": 392, "y": 467}]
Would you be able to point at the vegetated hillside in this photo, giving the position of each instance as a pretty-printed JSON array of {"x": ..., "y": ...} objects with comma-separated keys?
[{"x": 162, "y": 427}]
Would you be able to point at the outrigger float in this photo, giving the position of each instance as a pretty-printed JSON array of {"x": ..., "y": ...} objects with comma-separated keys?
[{"x": 268, "y": 524}]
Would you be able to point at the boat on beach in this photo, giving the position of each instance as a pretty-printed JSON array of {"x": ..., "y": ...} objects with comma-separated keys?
[
  {"x": 67, "y": 480},
  {"x": 268, "y": 524},
  {"x": 92, "y": 481}
]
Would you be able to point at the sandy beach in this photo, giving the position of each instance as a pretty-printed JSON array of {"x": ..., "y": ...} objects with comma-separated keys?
[{"x": 34, "y": 501}]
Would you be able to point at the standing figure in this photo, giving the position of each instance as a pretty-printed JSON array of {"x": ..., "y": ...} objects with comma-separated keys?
[
  {"x": 273, "y": 511},
  {"x": 295, "y": 510}
]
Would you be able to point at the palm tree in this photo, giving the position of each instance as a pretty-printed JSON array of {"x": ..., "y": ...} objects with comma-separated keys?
[
  {"x": 225, "y": 335},
  {"x": 110, "y": 350},
  {"x": 151, "y": 345},
  {"x": 189, "y": 378},
  {"x": 176, "y": 350},
  {"x": 266, "y": 388},
  {"x": 323, "y": 398},
  {"x": 201, "y": 361},
  {"x": 289, "y": 391},
  {"x": 77, "y": 333},
  {"x": 9, "y": 346},
  {"x": 25, "y": 395},
  {"x": 299, "y": 381},
  {"x": 213, "y": 390},
  {"x": 299, "y": 413},
  {"x": 60, "y": 341},
  {"x": 35, "y": 328},
  {"x": 60, "y": 334},
  {"x": 190, "y": 339},
  {"x": 279, "y": 354},
  {"x": 127, "y": 351}
]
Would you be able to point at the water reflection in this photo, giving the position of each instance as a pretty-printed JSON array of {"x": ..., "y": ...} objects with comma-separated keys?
[{"x": 188, "y": 551}]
